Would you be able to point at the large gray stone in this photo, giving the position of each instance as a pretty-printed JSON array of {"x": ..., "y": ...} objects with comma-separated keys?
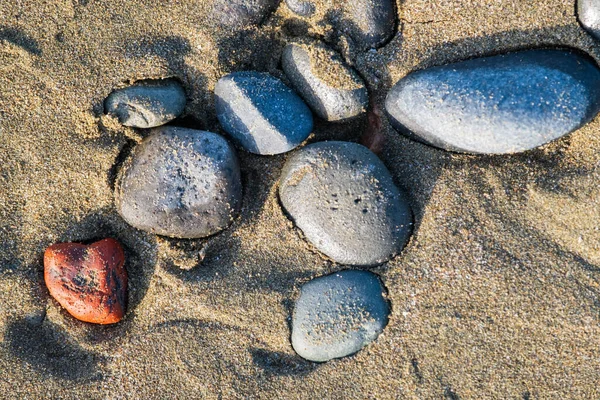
[
  {"x": 370, "y": 23},
  {"x": 147, "y": 104},
  {"x": 337, "y": 315},
  {"x": 261, "y": 113},
  {"x": 240, "y": 13},
  {"x": 181, "y": 183},
  {"x": 344, "y": 200},
  {"x": 501, "y": 104},
  {"x": 588, "y": 12},
  {"x": 331, "y": 88}
]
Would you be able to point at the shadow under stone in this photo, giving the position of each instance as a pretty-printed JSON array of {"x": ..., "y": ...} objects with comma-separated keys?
[{"x": 21, "y": 39}]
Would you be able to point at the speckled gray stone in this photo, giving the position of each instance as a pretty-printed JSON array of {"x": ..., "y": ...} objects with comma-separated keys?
[
  {"x": 338, "y": 100},
  {"x": 588, "y": 12},
  {"x": 338, "y": 314},
  {"x": 370, "y": 23},
  {"x": 181, "y": 183},
  {"x": 240, "y": 13},
  {"x": 501, "y": 104},
  {"x": 303, "y": 8},
  {"x": 261, "y": 113},
  {"x": 344, "y": 200},
  {"x": 147, "y": 104}
]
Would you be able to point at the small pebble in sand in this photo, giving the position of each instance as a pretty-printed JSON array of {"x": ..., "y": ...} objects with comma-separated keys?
[
  {"x": 588, "y": 12},
  {"x": 331, "y": 88},
  {"x": 261, "y": 113},
  {"x": 180, "y": 183},
  {"x": 370, "y": 23},
  {"x": 500, "y": 104},
  {"x": 240, "y": 13},
  {"x": 339, "y": 314},
  {"x": 147, "y": 104},
  {"x": 89, "y": 281},
  {"x": 303, "y": 8},
  {"x": 344, "y": 200}
]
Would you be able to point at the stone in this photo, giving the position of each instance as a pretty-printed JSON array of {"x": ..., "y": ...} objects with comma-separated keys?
[
  {"x": 331, "y": 88},
  {"x": 241, "y": 13},
  {"x": 588, "y": 12},
  {"x": 338, "y": 314},
  {"x": 181, "y": 183},
  {"x": 370, "y": 23},
  {"x": 302, "y": 8},
  {"x": 497, "y": 105},
  {"x": 345, "y": 201},
  {"x": 89, "y": 281},
  {"x": 261, "y": 113},
  {"x": 147, "y": 104}
]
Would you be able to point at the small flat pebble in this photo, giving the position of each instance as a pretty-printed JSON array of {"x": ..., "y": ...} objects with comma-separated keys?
[
  {"x": 240, "y": 13},
  {"x": 588, "y": 12},
  {"x": 261, "y": 113},
  {"x": 500, "y": 104},
  {"x": 344, "y": 200},
  {"x": 147, "y": 104},
  {"x": 181, "y": 183},
  {"x": 370, "y": 23},
  {"x": 331, "y": 88},
  {"x": 302, "y": 8},
  {"x": 338, "y": 314}
]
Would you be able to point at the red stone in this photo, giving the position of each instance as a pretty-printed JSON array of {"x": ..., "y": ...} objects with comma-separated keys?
[{"x": 89, "y": 281}]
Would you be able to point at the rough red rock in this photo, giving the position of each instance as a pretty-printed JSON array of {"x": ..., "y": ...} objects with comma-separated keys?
[{"x": 89, "y": 281}]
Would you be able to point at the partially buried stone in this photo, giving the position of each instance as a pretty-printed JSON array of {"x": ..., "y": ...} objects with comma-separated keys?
[
  {"x": 302, "y": 8},
  {"x": 588, "y": 12},
  {"x": 180, "y": 183},
  {"x": 339, "y": 314},
  {"x": 89, "y": 281},
  {"x": 344, "y": 200},
  {"x": 370, "y": 23},
  {"x": 240, "y": 13},
  {"x": 147, "y": 104},
  {"x": 331, "y": 88},
  {"x": 261, "y": 113},
  {"x": 500, "y": 104}
]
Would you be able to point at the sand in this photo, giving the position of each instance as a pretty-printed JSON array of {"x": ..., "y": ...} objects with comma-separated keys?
[{"x": 497, "y": 294}]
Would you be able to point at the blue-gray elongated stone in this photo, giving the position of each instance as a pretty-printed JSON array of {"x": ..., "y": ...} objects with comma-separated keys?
[
  {"x": 588, "y": 12},
  {"x": 240, "y": 13},
  {"x": 338, "y": 314},
  {"x": 344, "y": 200},
  {"x": 261, "y": 113},
  {"x": 500, "y": 104}
]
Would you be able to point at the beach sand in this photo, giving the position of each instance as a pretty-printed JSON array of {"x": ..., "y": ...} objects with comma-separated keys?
[{"x": 497, "y": 294}]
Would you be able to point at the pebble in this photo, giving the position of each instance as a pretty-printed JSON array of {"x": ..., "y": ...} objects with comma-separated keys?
[
  {"x": 181, "y": 183},
  {"x": 89, "y": 281},
  {"x": 500, "y": 104},
  {"x": 588, "y": 12},
  {"x": 345, "y": 201},
  {"x": 331, "y": 88},
  {"x": 370, "y": 23},
  {"x": 147, "y": 104},
  {"x": 261, "y": 113},
  {"x": 339, "y": 314},
  {"x": 302, "y": 8},
  {"x": 241, "y": 13}
]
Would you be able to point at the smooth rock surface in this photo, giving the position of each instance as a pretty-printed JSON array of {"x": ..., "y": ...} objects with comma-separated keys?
[
  {"x": 147, "y": 104},
  {"x": 370, "y": 23},
  {"x": 344, "y": 200},
  {"x": 89, "y": 281},
  {"x": 240, "y": 13},
  {"x": 303, "y": 8},
  {"x": 337, "y": 315},
  {"x": 181, "y": 183},
  {"x": 588, "y": 13},
  {"x": 501, "y": 104},
  {"x": 331, "y": 88},
  {"x": 261, "y": 113}
]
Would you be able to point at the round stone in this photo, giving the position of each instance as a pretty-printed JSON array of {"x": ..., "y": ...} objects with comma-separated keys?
[
  {"x": 331, "y": 88},
  {"x": 303, "y": 8},
  {"x": 147, "y": 104},
  {"x": 181, "y": 183},
  {"x": 240, "y": 13},
  {"x": 345, "y": 201},
  {"x": 261, "y": 113},
  {"x": 338, "y": 314},
  {"x": 500, "y": 104},
  {"x": 588, "y": 12},
  {"x": 370, "y": 23}
]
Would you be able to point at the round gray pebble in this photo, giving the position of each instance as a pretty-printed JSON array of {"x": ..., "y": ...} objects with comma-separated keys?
[
  {"x": 500, "y": 104},
  {"x": 261, "y": 113},
  {"x": 240, "y": 13},
  {"x": 331, "y": 88},
  {"x": 370, "y": 23},
  {"x": 303, "y": 8},
  {"x": 339, "y": 314},
  {"x": 147, "y": 104},
  {"x": 344, "y": 200},
  {"x": 588, "y": 12},
  {"x": 181, "y": 183}
]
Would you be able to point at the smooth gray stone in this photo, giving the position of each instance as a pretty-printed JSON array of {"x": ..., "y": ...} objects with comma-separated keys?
[
  {"x": 302, "y": 8},
  {"x": 588, "y": 12},
  {"x": 344, "y": 200},
  {"x": 240, "y": 13},
  {"x": 501, "y": 104},
  {"x": 339, "y": 314},
  {"x": 147, "y": 104},
  {"x": 331, "y": 88},
  {"x": 181, "y": 183},
  {"x": 370, "y": 23},
  {"x": 260, "y": 113}
]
